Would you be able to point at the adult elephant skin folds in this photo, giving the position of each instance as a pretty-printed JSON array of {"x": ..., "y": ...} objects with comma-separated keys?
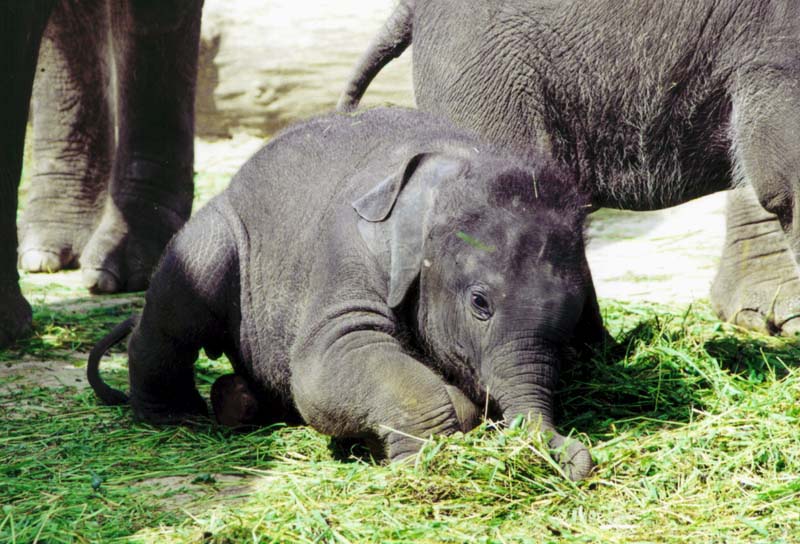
[
  {"x": 111, "y": 86},
  {"x": 648, "y": 103}
]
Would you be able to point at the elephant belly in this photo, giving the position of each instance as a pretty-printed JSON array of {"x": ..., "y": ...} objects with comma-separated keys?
[
  {"x": 642, "y": 152},
  {"x": 638, "y": 107}
]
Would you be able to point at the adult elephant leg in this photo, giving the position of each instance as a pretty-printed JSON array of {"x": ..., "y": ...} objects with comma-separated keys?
[
  {"x": 757, "y": 285},
  {"x": 766, "y": 146},
  {"x": 72, "y": 137},
  {"x": 21, "y": 28},
  {"x": 151, "y": 189}
]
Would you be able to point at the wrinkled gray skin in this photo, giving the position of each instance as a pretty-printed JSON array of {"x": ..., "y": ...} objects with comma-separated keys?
[
  {"x": 112, "y": 177},
  {"x": 377, "y": 276},
  {"x": 649, "y": 103}
]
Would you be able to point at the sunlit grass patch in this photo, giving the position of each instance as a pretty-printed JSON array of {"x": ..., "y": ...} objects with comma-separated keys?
[
  {"x": 69, "y": 322},
  {"x": 76, "y": 471},
  {"x": 694, "y": 424}
]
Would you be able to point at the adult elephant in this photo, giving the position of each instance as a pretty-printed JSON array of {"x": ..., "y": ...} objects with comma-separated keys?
[
  {"x": 651, "y": 103},
  {"x": 113, "y": 127}
]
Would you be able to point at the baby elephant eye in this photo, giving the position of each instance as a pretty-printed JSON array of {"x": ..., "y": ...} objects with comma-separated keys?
[{"x": 480, "y": 305}]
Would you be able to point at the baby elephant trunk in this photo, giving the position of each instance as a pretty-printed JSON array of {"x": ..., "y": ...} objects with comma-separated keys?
[{"x": 523, "y": 382}]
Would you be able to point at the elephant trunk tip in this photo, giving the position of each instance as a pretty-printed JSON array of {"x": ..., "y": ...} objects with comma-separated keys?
[{"x": 574, "y": 458}]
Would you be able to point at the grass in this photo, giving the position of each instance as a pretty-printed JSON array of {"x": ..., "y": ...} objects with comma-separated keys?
[{"x": 694, "y": 424}]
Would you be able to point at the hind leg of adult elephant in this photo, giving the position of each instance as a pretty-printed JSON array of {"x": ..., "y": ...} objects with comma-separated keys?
[
  {"x": 757, "y": 285},
  {"x": 21, "y": 28},
  {"x": 151, "y": 188},
  {"x": 72, "y": 137}
]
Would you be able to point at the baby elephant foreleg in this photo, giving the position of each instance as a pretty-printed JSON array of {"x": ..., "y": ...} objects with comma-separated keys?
[{"x": 380, "y": 394}]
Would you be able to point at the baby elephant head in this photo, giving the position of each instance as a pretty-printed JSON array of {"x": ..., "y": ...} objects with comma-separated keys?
[{"x": 485, "y": 258}]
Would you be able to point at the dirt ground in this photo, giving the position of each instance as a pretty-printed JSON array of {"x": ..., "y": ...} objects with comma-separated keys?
[{"x": 265, "y": 63}]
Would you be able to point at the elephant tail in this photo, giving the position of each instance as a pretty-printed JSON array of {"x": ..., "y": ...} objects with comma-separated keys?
[
  {"x": 391, "y": 41},
  {"x": 107, "y": 394}
]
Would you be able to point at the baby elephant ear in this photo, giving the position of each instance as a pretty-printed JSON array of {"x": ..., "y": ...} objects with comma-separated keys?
[
  {"x": 395, "y": 217},
  {"x": 377, "y": 204}
]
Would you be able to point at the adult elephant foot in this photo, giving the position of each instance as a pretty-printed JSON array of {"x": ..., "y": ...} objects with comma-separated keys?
[
  {"x": 15, "y": 314},
  {"x": 45, "y": 257},
  {"x": 147, "y": 206},
  {"x": 53, "y": 233},
  {"x": 151, "y": 189},
  {"x": 757, "y": 285}
]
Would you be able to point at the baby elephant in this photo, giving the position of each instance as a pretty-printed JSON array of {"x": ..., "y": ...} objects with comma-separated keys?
[{"x": 381, "y": 276}]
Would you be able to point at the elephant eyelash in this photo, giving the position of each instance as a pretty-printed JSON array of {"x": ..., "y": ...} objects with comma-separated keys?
[{"x": 480, "y": 303}]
